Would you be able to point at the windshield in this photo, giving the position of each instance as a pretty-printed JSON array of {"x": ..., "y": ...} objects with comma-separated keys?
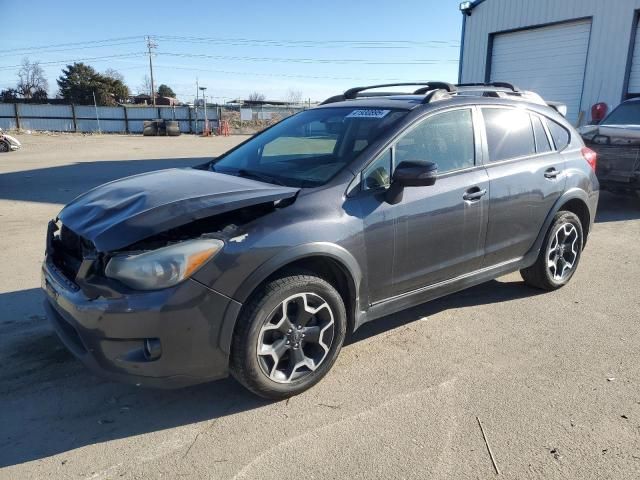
[
  {"x": 625, "y": 114},
  {"x": 308, "y": 149}
]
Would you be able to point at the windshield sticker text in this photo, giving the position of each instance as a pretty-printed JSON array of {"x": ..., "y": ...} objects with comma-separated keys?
[{"x": 368, "y": 113}]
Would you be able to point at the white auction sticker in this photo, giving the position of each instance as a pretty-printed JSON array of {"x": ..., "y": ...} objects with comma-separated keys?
[{"x": 369, "y": 113}]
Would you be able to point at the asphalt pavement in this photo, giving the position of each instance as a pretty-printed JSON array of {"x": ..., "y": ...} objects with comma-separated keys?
[{"x": 553, "y": 377}]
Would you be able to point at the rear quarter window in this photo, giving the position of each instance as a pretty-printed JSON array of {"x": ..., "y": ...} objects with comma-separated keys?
[
  {"x": 559, "y": 134},
  {"x": 509, "y": 133}
]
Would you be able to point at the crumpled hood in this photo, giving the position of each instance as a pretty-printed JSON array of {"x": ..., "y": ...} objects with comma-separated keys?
[{"x": 120, "y": 213}]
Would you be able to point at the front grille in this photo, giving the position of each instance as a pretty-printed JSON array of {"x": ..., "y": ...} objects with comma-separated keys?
[{"x": 67, "y": 252}]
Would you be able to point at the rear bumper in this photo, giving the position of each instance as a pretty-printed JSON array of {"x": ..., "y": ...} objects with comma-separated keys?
[
  {"x": 108, "y": 335},
  {"x": 619, "y": 182}
]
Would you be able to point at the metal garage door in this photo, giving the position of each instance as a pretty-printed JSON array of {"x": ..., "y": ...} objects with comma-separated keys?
[
  {"x": 548, "y": 60},
  {"x": 634, "y": 73}
]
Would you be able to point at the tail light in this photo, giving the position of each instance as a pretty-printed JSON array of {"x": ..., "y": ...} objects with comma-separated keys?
[
  {"x": 598, "y": 112},
  {"x": 590, "y": 156}
]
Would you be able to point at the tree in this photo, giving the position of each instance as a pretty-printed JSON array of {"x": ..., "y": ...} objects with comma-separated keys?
[
  {"x": 40, "y": 95},
  {"x": 79, "y": 82},
  {"x": 165, "y": 91},
  {"x": 9, "y": 95},
  {"x": 145, "y": 86},
  {"x": 114, "y": 74},
  {"x": 293, "y": 97},
  {"x": 31, "y": 78},
  {"x": 256, "y": 97}
]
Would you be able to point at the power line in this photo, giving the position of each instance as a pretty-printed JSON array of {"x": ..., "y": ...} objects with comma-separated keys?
[
  {"x": 363, "y": 44},
  {"x": 45, "y": 50},
  {"x": 62, "y": 62},
  {"x": 309, "y": 60},
  {"x": 86, "y": 42},
  {"x": 313, "y": 43},
  {"x": 276, "y": 75}
]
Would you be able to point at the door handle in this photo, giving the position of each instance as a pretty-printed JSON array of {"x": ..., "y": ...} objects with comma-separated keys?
[
  {"x": 474, "y": 193},
  {"x": 551, "y": 173}
]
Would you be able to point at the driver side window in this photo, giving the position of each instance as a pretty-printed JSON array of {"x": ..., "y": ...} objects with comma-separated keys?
[{"x": 444, "y": 138}]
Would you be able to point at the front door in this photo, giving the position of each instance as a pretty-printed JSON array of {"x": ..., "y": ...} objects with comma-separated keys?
[{"x": 441, "y": 229}]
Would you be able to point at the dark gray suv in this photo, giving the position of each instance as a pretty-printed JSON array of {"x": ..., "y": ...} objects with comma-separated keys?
[{"x": 261, "y": 261}]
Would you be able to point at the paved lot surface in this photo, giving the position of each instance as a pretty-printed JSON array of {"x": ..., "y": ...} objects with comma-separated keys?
[{"x": 554, "y": 378}]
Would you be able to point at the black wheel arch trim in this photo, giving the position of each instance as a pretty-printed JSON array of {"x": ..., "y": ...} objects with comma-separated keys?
[
  {"x": 569, "y": 195},
  {"x": 278, "y": 262}
]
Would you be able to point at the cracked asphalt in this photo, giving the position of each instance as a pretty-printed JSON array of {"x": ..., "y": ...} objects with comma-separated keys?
[{"x": 554, "y": 377}]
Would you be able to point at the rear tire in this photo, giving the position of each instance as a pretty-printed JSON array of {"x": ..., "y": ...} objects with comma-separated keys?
[
  {"x": 288, "y": 336},
  {"x": 559, "y": 255}
]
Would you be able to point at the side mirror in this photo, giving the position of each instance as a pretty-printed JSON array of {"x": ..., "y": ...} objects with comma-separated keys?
[{"x": 413, "y": 173}]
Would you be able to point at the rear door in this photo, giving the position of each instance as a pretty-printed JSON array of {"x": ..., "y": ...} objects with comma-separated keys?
[{"x": 525, "y": 179}]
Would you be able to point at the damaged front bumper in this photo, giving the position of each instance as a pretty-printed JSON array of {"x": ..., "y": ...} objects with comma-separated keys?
[{"x": 166, "y": 338}]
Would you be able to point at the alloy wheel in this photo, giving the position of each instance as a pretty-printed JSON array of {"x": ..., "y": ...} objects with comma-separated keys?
[
  {"x": 296, "y": 338},
  {"x": 563, "y": 252}
]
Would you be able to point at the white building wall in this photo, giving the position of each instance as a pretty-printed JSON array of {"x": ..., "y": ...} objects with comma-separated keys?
[{"x": 611, "y": 34}]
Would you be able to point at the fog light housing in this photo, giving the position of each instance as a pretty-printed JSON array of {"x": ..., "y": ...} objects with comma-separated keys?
[{"x": 152, "y": 349}]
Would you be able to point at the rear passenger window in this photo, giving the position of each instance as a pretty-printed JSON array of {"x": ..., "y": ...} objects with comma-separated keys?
[
  {"x": 542, "y": 141},
  {"x": 559, "y": 133},
  {"x": 509, "y": 133}
]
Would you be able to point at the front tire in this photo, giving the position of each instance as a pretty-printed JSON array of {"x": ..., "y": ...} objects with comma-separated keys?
[
  {"x": 4, "y": 146},
  {"x": 288, "y": 336},
  {"x": 559, "y": 256}
]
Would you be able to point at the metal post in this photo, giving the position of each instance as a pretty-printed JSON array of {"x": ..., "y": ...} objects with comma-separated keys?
[
  {"x": 206, "y": 120},
  {"x": 204, "y": 100},
  {"x": 190, "y": 124},
  {"x": 17, "y": 113},
  {"x": 126, "y": 120},
  {"x": 95, "y": 104},
  {"x": 75, "y": 119},
  {"x": 197, "y": 98}
]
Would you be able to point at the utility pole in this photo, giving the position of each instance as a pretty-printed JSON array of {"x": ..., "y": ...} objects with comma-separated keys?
[
  {"x": 205, "y": 129},
  {"x": 150, "y": 46},
  {"x": 197, "y": 98}
]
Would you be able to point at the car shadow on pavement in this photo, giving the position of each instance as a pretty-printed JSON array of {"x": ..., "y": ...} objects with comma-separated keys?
[
  {"x": 616, "y": 208},
  {"x": 61, "y": 184},
  {"x": 52, "y": 404},
  {"x": 493, "y": 291}
]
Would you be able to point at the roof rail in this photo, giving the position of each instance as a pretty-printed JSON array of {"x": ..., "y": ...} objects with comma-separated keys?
[
  {"x": 506, "y": 85},
  {"x": 352, "y": 93},
  {"x": 435, "y": 95}
]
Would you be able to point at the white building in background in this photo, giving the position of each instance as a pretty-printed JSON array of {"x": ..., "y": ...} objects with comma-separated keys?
[{"x": 579, "y": 52}]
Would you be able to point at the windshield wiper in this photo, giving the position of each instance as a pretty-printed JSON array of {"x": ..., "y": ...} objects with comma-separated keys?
[{"x": 259, "y": 176}]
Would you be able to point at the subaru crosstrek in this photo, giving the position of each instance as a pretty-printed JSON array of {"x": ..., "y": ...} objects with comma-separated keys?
[{"x": 260, "y": 262}]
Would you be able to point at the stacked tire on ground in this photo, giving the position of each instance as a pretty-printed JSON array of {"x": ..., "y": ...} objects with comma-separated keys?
[{"x": 160, "y": 127}]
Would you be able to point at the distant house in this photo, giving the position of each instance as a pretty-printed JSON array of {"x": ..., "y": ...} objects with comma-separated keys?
[{"x": 144, "y": 99}]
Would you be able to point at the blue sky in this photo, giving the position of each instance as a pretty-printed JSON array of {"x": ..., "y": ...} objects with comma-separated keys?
[{"x": 316, "y": 47}]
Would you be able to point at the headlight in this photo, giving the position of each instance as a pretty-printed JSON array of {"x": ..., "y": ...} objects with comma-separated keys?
[{"x": 163, "y": 267}]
